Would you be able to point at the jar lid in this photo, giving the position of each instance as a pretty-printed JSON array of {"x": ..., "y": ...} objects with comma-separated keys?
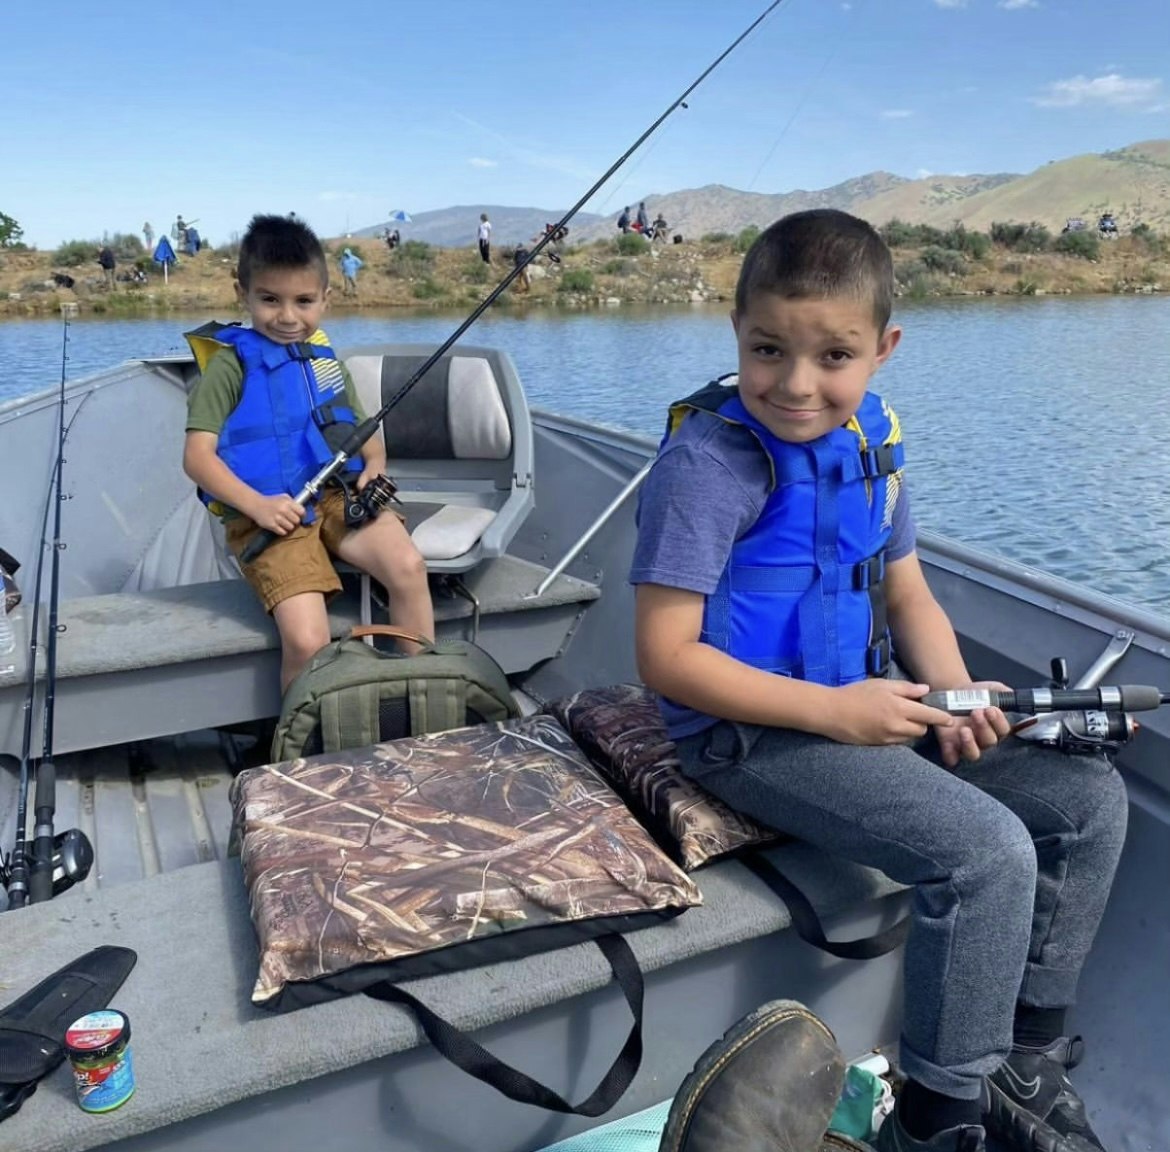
[{"x": 97, "y": 1034}]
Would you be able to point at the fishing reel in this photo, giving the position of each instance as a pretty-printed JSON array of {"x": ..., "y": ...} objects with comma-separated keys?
[
  {"x": 373, "y": 499},
  {"x": 1082, "y": 732},
  {"x": 71, "y": 861}
]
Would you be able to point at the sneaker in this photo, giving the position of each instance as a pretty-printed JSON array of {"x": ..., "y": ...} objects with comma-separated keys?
[
  {"x": 892, "y": 1137},
  {"x": 1032, "y": 1106}
]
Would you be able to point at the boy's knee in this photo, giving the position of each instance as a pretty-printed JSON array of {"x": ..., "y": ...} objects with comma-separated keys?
[
  {"x": 301, "y": 640},
  {"x": 998, "y": 845},
  {"x": 405, "y": 567}
]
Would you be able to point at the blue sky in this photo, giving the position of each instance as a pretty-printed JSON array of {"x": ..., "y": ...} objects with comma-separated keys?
[{"x": 116, "y": 113}]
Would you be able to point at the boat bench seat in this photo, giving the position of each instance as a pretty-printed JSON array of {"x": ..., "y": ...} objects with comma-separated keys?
[
  {"x": 155, "y": 662},
  {"x": 397, "y": 1091}
]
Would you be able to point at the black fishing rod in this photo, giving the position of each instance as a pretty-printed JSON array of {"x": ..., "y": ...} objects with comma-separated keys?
[
  {"x": 1035, "y": 701},
  {"x": 367, "y": 428},
  {"x": 57, "y": 862}
]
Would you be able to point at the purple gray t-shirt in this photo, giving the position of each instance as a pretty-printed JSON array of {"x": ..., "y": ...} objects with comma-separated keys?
[{"x": 706, "y": 489}]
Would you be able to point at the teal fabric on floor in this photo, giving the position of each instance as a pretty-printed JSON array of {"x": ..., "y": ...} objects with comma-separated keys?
[{"x": 641, "y": 1132}]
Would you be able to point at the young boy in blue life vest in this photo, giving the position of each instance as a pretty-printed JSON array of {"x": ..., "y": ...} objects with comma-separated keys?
[
  {"x": 776, "y": 580},
  {"x": 268, "y": 413}
]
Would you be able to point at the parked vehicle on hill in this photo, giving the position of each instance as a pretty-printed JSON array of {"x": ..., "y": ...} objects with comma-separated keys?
[
  {"x": 1106, "y": 225},
  {"x": 1073, "y": 224}
]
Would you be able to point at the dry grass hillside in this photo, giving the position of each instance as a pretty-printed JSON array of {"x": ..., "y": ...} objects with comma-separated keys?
[
  {"x": 1133, "y": 184},
  {"x": 602, "y": 273}
]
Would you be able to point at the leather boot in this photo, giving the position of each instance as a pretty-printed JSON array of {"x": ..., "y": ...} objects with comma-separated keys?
[{"x": 770, "y": 1083}]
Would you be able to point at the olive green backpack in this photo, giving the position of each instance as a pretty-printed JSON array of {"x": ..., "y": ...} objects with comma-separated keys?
[{"x": 352, "y": 695}]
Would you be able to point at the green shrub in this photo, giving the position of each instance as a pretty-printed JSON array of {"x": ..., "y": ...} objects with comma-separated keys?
[
  {"x": 974, "y": 244},
  {"x": 74, "y": 253},
  {"x": 1031, "y": 237},
  {"x": 1147, "y": 239},
  {"x": 616, "y": 268},
  {"x": 1024, "y": 287},
  {"x": 476, "y": 271},
  {"x": 578, "y": 279},
  {"x": 747, "y": 237},
  {"x": 899, "y": 234},
  {"x": 426, "y": 289},
  {"x": 716, "y": 238},
  {"x": 631, "y": 244},
  {"x": 907, "y": 270},
  {"x": 1086, "y": 245},
  {"x": 945, "y": 260}
]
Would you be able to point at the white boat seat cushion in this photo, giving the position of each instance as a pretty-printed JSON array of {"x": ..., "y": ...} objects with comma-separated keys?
[{"x": 449, "y": 445}]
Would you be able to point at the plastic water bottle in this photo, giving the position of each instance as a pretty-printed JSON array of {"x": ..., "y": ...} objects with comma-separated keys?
[{"x": 7, "y": 638}]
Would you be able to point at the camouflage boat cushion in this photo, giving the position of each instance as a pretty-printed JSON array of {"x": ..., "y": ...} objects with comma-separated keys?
[
  {"x": 620, "y": 729},
  {"x": 399, "y": 852}
]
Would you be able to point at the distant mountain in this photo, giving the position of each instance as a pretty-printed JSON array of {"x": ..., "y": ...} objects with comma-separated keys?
[
  {"x": 1133, "y": 183},
  {"x": 456, "y": 227}
]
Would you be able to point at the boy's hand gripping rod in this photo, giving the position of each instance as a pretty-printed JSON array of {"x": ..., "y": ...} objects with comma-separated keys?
[{"x": 367, "y": 428}]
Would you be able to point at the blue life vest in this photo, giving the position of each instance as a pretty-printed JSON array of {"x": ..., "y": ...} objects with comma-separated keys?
[
  {"x": 802, "y": 591},
  {"x": 292, "y": 417}
]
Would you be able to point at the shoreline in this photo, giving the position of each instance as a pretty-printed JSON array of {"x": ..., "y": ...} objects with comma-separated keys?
[{"x": 603, "y": 274}]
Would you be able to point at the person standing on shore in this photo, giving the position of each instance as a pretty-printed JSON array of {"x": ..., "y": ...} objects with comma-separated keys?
[
  {"x": 105, "y": 258},
  {"x": 148, "y": 236},
  {"x": 485, "y": 238},
  {"x": 350, "y": 263}
]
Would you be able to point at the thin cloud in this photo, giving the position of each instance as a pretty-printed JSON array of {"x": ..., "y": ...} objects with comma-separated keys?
[
  {"x": 1016, "y": 5},
  {"x": 951, "y": 3},
  {"x": 1113, "y": 89},
  {"x": 533, "y": 157},
  {"x": 480, "y": 162},
  {"x": 923, "y": 174},
  {"x": 895, "y": 113}
]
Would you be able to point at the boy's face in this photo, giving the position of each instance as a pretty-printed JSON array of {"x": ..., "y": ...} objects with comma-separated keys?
[
  {"x": 804, "y": 365},
  {"x": 286, "y": 304}
]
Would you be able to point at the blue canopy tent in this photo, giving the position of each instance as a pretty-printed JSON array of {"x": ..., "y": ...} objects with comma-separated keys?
[{"x": 164, "y": 254}]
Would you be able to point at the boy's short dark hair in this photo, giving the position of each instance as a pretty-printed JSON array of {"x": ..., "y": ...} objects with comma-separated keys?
[
  {"x": 820, "y": 254},
  {"x": 279, "y": 242}
]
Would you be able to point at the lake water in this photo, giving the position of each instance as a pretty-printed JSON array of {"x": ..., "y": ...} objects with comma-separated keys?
[{"x": 1035, "y": 428}]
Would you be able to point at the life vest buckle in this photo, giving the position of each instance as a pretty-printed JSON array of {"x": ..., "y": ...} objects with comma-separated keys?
[
  {"x": 869, "y": 573},
  {"x": 877, "y": 658},
  {"x": 877, "y": 462}
]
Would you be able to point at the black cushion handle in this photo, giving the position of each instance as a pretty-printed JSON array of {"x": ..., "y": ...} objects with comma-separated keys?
[
  {"x": 808, "y": 924},
  {"x": 458, "y": 1047}
]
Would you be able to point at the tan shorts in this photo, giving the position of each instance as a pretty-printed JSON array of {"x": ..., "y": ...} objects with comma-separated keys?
[{"x": 296, "y": 563}]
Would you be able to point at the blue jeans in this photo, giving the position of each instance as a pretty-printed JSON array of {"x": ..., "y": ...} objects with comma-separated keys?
[{"x": 1011, "y": 859}]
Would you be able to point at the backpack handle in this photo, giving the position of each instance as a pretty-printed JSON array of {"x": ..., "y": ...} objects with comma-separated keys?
[{"x": 360, "y": 630}]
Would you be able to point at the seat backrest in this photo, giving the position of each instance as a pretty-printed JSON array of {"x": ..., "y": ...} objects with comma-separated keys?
[
  {"x": 466, "y": 419},
  {"x": 458, "y": 444}
]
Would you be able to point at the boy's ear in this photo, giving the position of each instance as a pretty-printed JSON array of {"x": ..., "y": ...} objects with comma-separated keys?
[
  {"x": 734, "y": 321},
  {"x": 241, "y": 295},
  {"x": 888, "y": 342}
]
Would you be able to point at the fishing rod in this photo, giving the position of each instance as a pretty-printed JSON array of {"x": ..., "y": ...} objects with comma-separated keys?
[
  {"x": 368, "y": 427},
  {"x": 1032, "y": 701},
  {"x": 57, "y": 862}
]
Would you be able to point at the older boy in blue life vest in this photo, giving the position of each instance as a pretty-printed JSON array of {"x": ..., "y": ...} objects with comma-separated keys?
[
  {"x": 777, "y": 579},
  {"x": 268, "y": 413}
]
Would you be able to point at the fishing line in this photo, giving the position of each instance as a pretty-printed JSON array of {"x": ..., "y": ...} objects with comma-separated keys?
[
  {"x": 796, "y": 111},
  {"x": 369, "y": 426}
]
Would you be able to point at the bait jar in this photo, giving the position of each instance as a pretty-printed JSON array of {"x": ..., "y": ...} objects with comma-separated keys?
[{"x": 98, "y": 1046}]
